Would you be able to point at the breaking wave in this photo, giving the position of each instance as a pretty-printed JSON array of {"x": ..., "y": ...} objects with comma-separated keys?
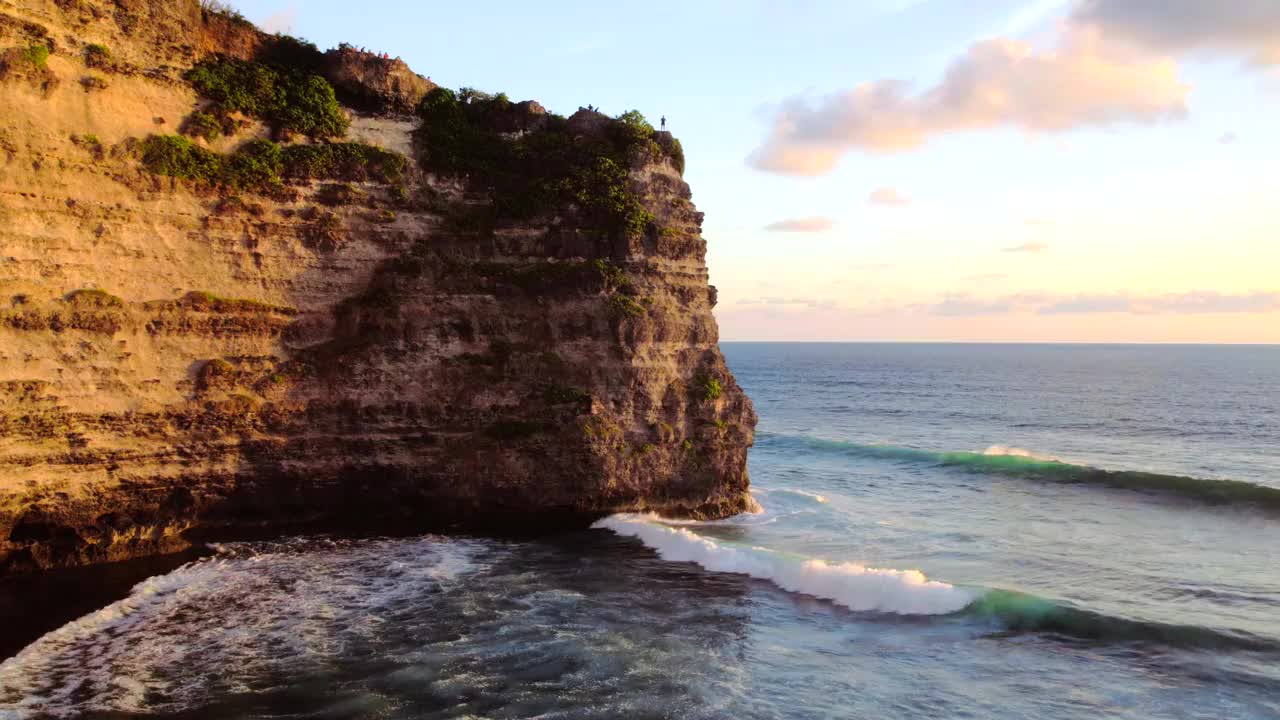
[
  {"x": 904, "y": 592},
  {"x": 1016, "y": 462},
  {"x": 909, "y": 592}
]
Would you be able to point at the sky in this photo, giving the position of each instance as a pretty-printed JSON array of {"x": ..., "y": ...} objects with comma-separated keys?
[{"x": 918, "y": 170}]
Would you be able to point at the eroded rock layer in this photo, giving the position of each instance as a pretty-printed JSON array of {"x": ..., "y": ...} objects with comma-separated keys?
[{"x": 181, "y": 360}]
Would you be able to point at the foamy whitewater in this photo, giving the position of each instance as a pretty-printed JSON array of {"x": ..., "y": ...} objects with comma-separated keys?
[
  {"x": 944, "y": 531},
  {"x": 851, "y": 585}
]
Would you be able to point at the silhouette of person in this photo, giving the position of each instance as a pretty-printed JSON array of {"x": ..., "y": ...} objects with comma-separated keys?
[{"x": 664, "y": 122}]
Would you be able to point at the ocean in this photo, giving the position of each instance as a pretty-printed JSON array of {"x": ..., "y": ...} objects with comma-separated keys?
[{"x": 944, "y": 531}]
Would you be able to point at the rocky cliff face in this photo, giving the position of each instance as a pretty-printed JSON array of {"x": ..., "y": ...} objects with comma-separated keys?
[{"x": 365, "y": 327}]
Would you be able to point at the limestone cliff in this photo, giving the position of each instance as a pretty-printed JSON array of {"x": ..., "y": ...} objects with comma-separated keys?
[{"x": 287, "y": 318}]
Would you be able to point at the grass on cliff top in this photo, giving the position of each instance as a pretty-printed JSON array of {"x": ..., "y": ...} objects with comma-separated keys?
[
  {"x": 261, "y": 165},
  {"x": 549, "y": 166},
  {"x": 289, "y": 98}
]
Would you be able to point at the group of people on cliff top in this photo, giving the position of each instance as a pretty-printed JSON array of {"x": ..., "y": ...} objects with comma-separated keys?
[{"x": 366, "y": 51}]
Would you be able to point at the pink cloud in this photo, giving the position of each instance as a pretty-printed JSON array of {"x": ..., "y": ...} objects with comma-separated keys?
[
  {"x": 997, "y": 83},
  {"x": 802, "y": 225},
  {"x": 888, "y": 197}
]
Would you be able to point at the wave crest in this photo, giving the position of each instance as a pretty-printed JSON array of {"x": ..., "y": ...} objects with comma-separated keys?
[
  {"x": 1015, "y": 462},
  {"x": 904, "y": 592}
]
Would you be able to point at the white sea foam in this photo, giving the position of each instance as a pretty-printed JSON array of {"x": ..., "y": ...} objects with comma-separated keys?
[
  {"x": 1007, "y": 450},
  {"x": 854, "y": 586},
  {"x": 251, "y": 609},
  {"x": 805, "y": 493}
]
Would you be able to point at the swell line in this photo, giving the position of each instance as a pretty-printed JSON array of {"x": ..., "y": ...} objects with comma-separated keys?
[
  {"x": 1018, "y": 612},
  {"x": 909, "y": 592},
  {"x": 1012, "y": 462}
]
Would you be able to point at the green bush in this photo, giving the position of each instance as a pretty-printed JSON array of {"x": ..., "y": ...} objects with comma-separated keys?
[
  {"x": 710, "y": 388},
  {"x": 343, "y": 161},
  {"x": 225, "y": 9},
  {"x": 37, "y": 54},
  {"x": 204, "y": 125},
  {"x": 97, "y": 56},
  {"x": 625, "y": 306},
  {"x": 290, "y": 99},
  {"x": 178, "y": 157},
  {"x": 613, "y": 276},
  {"x": 261, "y": 165},
  {"x": 295, "y": 53},
  {"x": 549, "y": 168},
  {"x": 255, "y": 166}
]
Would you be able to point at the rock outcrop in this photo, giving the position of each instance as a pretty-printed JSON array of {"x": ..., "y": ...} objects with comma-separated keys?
[
  {"x": 374, "y": 83},
  {"x": 224, "y": 336}
]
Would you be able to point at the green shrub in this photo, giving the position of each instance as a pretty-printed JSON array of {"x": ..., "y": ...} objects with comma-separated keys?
[
  {"x": 225, "y": 9},
  {"x": 625, "y": 306},
  {"x": 634, "y": 120},
  {"x": 290, "y": 99},
  {"x": 255, "y": 166},
  {"x": 97, "y": 56},
  {"x": 260, "y": 165},
  {"x": 178, "y": 157},
  {"x": 343, "y": 161},
  {"x": 549, "y": 168},
  {"x": 675, "y": 151},
  {"x": 295, "y": 53},
  {"x": 710, "y": 388},
  {"x": 37, "y": 54},
  {"x": 203, "y": 125}
]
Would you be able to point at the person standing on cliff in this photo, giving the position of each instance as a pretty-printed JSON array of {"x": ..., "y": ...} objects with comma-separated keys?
[{"x": 664, "y": 122}]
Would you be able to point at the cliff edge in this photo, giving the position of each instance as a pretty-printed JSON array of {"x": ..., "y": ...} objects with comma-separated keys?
[{"x": 231, "y": 304}]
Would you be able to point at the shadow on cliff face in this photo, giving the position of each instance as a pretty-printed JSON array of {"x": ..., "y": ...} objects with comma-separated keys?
[{"x": 491, "y": 374}]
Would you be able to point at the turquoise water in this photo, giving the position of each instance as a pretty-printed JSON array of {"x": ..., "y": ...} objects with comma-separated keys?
[{"x": 945, "y": 531}]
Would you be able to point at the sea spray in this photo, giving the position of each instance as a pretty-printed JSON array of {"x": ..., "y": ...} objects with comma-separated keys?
[{"x": 905, "y": 592}]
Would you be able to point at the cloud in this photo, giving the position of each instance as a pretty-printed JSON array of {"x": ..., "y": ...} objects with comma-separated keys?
[
  {"x": 1187, "y": 303},
  {"x": 888, "y": 197},
  {"x": 802, "y": 225},
  {"x": 1229, "y": 138},
  {"x": 281, "y": 21},
  {"x": 1246, "y": 28},
  {"x": 804, "y": 302},
  {"x": 1034, "y": 246},
  {"x": 964, "y": 305},
  {"x": 997, "y": 83}
]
